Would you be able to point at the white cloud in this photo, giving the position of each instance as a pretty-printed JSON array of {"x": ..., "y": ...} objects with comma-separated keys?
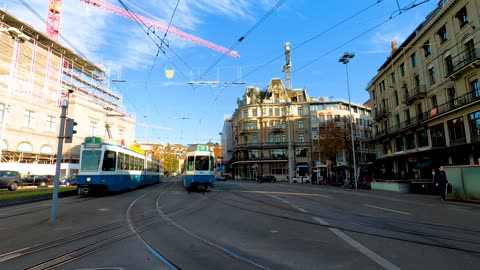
[{"x": 107, "y": 38}]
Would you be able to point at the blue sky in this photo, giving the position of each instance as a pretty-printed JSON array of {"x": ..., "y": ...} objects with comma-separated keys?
[{"x": 177, "y": 112}]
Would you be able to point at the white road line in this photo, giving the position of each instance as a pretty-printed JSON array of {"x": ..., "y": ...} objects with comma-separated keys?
[
  {"x": 386, "y": 209},
  {"x": 367, "y": 252},
  {"x": 302, "y": 210}
]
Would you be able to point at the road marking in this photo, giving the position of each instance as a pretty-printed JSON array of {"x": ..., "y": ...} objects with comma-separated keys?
[
  {"x": 302, "y": 210},
  {"x": 290, "y": 193},
  {"x": 386, "y": 209},
  {"x": 367, "y": 252}
]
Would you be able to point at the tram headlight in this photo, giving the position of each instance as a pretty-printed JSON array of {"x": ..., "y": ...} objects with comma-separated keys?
[{"x": 89, "y": 179}]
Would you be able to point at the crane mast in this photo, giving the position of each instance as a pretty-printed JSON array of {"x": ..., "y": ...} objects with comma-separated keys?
[
  {"x": 53, "y": 18},
  {"x": 287, "y": 67},
  {"x": 158, "y": 25}
]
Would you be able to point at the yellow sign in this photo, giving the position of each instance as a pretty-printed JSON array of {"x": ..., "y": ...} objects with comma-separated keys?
[{"x": 137, "y": 149}]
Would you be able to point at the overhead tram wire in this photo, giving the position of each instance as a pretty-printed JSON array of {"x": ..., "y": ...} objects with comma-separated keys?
[
  {"x": 270, "y": 12},
  {"x": 411, "y": 6},
  {"x": 50, "y": 26},
  {"x": 300, "y": 45}
]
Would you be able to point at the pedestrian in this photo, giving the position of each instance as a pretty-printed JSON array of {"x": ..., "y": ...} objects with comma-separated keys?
[{"x": 441, "y": 182}]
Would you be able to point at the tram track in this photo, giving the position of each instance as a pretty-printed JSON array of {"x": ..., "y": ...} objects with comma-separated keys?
[
  {"x": 309, "y": 220},
  {"x": 94, "y": 239}
]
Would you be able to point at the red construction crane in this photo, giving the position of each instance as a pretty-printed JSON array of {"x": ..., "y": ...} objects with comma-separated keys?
[
  {"x": 53, "y": 18},
  {"x": 158, "y": 25}
]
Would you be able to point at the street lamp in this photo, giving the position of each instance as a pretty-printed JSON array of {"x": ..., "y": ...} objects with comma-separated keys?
[
  {"x": 345, "y": 59},
  {"x": 290, "y": 158}
]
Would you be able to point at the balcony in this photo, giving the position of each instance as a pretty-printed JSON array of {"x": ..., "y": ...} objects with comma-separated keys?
[
  {"x": 243, "y": 131},
  {"x": 384, "y": 112},
  {"x": 464, "y": 61},
  {"x": 277, "y": 130},
  {"x": 418, "y": 93}
]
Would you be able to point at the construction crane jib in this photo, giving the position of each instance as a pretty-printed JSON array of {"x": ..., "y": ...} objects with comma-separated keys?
[{"x": 159, "y": 25}]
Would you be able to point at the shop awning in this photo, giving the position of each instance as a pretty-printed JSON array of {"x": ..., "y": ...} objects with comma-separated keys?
[{"x": 423, "y": 165}]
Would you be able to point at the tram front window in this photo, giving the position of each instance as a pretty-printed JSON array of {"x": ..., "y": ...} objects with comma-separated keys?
[
  {"x": 90, "y": 160},
  {"x": 202, "y": 163}
]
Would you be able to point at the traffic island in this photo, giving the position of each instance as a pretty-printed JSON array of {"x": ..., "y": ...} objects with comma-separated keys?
[{"x": 23, "y": 195}]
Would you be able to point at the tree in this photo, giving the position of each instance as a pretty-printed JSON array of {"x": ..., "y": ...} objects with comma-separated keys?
[
  {"x": 170, "y": 163},
  {"x": 333, "y": 138}
]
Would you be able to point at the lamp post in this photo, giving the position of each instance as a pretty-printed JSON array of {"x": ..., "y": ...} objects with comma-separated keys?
[
  {"x": 345, "y": 59},
  {"x": 290, "y": 158}
]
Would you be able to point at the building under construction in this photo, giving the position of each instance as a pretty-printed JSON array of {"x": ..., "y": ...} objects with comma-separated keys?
[{"x": 36, "y": 74}]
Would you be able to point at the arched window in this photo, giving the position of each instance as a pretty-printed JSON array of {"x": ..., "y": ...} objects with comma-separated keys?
[
  {"x": 25, "y": 147},
  {"x": 46, "y": 150}
]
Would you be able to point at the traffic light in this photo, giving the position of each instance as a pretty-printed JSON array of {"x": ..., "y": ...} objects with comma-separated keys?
[{"x": 69, "y": 130}]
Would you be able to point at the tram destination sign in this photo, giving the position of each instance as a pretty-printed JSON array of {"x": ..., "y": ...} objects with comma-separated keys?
[
  {"x": 202, "y": 148},
  {"x": 92, "y": 142}
]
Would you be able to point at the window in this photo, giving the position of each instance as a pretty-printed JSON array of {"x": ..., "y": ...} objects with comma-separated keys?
[
  {"x": 399, "y": 144},
  {"x": 373, "y": 95},
  {"x": 109, "y": 161},
  {"x": 283, "y": 112},
  {"x": 301, "y": 138},
  {"x": 300, "y": 110},
  {"x": 392, "y": 77},
  {"x": 284, "y": 138},
  {"x": 254, "y": 138},
  {"x": 407, "y": 116},
  {"x": 321, "y": 118},
  {"x": 470, "y": 51},
  {"x": 475, "y": 88},
  {"x": 337, "y": 118},
  {"x": 90, "y": 160},
  {"x": 277, "y": 111},
  {"x": 402, "y": 69},
  {"x": 449, "y": 64},
  {"x": 93, "y": 129},
  {"x": 411, "y": 142},
  {"x": 300, "y": 123},
  {"x": 413, "y": 58},
  {"x": 397, "y": 117},
  {"x": 419, "y": 111},
  {"x": 474, "y": 119},
  {"x": 301, "y": 152},
  {"x": 456, "y": 128},
  {"x": 313, "y": 119},
  {"x": 277, "y": 138},
  {"x": 382, "y": 87},
  {"x": 270, "y": 111},
  {"x": 270, "y": 138},
  {"x": 442, "y": 34},
  {"x": 438, "y": 135},
  {"x": 50, "y": 128},
  {"x": 255, "y": 154},
  {"x": 433, "y": 102},
  {"x": 397, "y": 102},
  {"x": 245, "y": 113},
  {"x": 202, "y": 163},
  {"x": 254, "y": 112},
  {"x": 121, "y": 132},
  {"x": 254, "y": 125},
  {"x": 28, "y": 119},
  {"x": 431, "y": 75},
  {"x": 462, "y": 17},
  {"x": 427, "y": 49},
  {"x": 422, "y": 136},
  {"x": 3, "y": 112}
]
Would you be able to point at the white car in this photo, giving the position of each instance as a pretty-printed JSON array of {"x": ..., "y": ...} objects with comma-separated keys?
[{"x": 302, "y": 179}]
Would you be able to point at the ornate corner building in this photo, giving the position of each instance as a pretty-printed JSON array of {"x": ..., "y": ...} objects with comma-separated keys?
[
  {"x": 260, "y": 130},
  {"x": 426, "y": 96}
]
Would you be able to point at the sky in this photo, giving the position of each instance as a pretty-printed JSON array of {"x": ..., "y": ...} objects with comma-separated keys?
[{"x": 172, "y": 110}]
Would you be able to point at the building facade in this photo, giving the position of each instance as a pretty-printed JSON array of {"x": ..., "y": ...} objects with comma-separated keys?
[
  {"x": 262, "y": 125},
  {"x": 331, "y": 137},
  {"x": 36, "y": 75},
  {"x": 426, "y": 96}
]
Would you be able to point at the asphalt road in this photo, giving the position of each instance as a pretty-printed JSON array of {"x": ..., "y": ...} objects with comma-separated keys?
[{"x": 242, "y": 225}]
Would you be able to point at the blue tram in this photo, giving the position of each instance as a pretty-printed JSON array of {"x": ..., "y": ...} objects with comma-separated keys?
[
  {"x": 106, "y": 167},
  {"x": 199, "y": 169}
]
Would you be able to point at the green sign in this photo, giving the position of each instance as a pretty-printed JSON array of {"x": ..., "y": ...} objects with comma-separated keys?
[
  {"x": 92, "y": 142},
  {"x": 202, "y": 148}
]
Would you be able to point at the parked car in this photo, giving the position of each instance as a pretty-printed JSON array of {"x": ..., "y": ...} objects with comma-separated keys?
[
  {"x": 69, "y": 180},
  {"x": 10, "y": 180},
  {"x": 38, "y": 180},
  {"x": 301, "y": 179},
  {"x": 266, "y": 178}
]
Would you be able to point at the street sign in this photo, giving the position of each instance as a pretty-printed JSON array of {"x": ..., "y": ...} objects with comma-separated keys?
[{"x": 92, "y": 142}]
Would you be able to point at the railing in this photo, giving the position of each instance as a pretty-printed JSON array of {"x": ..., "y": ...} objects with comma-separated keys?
[
  {"x": 463, "y": 59},
  {"x": 458, "y": 102},
  {"x": 382, "y": 113},
  {"x": 419, "y": 92}
]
